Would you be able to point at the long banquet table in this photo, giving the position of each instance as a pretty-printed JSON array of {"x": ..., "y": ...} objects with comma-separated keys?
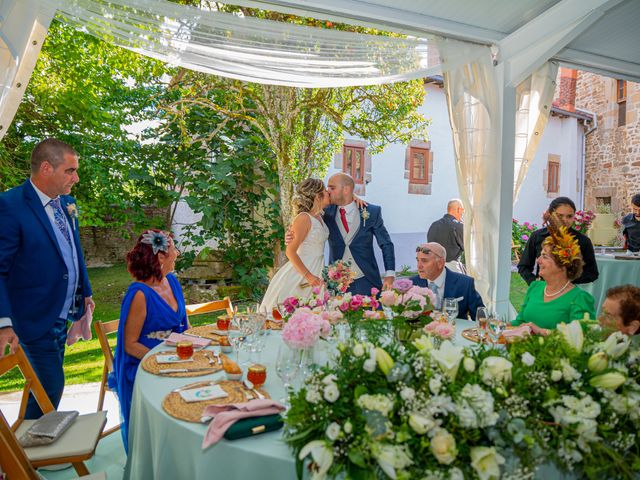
[
  {"x": 162, "y": 447},
  {"x": 612, "y": 272}
]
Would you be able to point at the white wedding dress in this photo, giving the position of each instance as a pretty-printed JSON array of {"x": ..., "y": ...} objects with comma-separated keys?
[{"x": 288, "y": 281}]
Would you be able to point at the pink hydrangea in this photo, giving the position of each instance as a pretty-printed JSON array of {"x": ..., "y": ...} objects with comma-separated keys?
[
  {"x": 440, "y": 329},
  {"x": 304, "y": 328}
]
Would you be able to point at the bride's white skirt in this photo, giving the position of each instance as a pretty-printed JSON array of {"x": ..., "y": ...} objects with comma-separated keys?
[{"x": 288, "y": 282}]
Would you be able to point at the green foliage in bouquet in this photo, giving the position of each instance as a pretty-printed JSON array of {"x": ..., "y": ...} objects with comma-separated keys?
[{"x": 416, "y": 411}]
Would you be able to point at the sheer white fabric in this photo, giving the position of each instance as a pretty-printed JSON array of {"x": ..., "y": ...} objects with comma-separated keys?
[{"x": 533, "y": 107}]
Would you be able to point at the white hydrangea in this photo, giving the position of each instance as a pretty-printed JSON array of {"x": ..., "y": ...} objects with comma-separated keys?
[
  {"x": 568, "y": 372},
  {"x": 378, "y": 402},
  {"x": 435, "y": 384},
  {"x": 528, "y": 359},
  {"x": 369, "y": 365},
  {"x": 313, "y": 395},
  {"x": 407, "y": 394},
  {"x": 475, "y": 407}
]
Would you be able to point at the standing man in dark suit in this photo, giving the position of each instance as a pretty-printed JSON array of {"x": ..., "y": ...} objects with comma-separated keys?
[
  {"x": 444, "y": 282},
  {"x": 351, "y": 233},
  {"x": 449, "y": 232},
  {"x": 43, "y": 277}
]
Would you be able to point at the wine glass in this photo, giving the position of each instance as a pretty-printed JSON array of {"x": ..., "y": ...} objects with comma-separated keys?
[
  {"x": 450, "y": 308},
  {"x": 482, "y": 316},
  {"x": 236, "y": 334},
  {"x": 287, "y": 368}
]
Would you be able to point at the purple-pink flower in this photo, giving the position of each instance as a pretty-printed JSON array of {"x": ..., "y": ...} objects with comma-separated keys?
[
  {"x": 402, "y": 285},
  {"x": 290, "y": 304}
]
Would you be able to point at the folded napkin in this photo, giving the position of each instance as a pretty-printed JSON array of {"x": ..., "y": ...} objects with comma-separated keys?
[
  {"x": 197, "y": 342},
  {"x": 81, "y": 328},
  {"x": 520, "y": 331},
  {"x": 226, "y": 415}
]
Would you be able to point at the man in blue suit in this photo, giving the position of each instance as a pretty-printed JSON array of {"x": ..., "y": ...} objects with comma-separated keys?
[
  {"x": 43, "y": 277},
  {"x": 351, "y": 233},
  {"x": 445, "y": 283}
]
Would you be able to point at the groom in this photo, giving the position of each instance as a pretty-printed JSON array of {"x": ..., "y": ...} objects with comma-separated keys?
[{"x": 351, "y": 232}]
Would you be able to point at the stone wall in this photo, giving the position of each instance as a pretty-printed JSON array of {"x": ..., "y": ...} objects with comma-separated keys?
[{"x": 612, "y": 168}]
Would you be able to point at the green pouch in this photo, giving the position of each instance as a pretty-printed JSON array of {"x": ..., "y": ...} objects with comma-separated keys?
[{"x": 248, "y": 427}]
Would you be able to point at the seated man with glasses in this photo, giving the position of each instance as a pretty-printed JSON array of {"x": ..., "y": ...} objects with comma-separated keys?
[
  {"x": 621, "y": 309},
  {"x": 445, "y": 283}
]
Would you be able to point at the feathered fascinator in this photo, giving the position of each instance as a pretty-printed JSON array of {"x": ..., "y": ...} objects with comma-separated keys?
[
  {"x": 564, "y": 246},
  {"x": 158, "y": 240}
]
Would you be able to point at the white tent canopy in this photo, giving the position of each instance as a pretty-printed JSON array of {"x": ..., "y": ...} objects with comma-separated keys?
[{"x": 498, "y": 57}]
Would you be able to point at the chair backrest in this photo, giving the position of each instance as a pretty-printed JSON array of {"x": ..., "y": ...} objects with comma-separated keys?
[
  {"x": 208, "y": 307},
  {"x": 102, "y": 330},
  {"x": 32, "y": 383},
  {"x": 13, "y": 458}
]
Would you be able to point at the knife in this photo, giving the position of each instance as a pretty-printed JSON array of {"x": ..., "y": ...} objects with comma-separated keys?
[{"x": 185, "y": 370}]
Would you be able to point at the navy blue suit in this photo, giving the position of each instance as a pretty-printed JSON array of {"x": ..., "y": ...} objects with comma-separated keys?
[
  {"x": 362, "y": 247},
  {"x": 33, "y": 282},
  {"x": 458, "y": 285}
]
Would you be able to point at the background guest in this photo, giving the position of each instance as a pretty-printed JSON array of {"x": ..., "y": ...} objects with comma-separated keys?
[
  {"x": 445, "y": 283},
  {"x": 621, "y": 309},
  {"x": 631, "y": 226},
  {"x": 556, "y": 299},
  {"x": 564, "y": 209},
  {"x": 449, "y": 232},
  {"x": 152, "y": 308},
  {"x": 43, "y": 276}
]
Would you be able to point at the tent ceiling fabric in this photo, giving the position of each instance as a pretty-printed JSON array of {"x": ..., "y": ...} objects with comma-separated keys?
[{"x": 609, "y": 46}]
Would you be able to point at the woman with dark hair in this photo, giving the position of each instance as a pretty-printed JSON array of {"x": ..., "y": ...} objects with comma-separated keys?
[
  {"x": 556, "y": 299},
  {"x": 564, "y": 210},
  {"x": 621, "y": 309},
  {"x": 152, "y": 308}
]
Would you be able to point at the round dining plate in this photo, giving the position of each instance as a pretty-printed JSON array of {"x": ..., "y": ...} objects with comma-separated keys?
[{"x": 200, "y": 365}]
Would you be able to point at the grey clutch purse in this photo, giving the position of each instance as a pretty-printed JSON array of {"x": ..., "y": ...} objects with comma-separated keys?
[{"x": 48, "y": 428}]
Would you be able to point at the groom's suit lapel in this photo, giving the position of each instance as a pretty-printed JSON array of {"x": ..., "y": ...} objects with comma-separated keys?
[{"x": 35, "y": 204}]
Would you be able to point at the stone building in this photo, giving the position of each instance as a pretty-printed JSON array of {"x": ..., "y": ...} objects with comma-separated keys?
[{"x": 612, "y": 160}]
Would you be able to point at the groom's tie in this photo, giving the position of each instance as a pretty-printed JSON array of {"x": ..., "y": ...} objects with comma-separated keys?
[
  {"x": 343, "y": 217},
  {"x": 58, "y": 216}
]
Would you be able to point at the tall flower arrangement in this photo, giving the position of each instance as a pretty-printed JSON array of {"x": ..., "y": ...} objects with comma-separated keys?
[
  {"x": 408, "y": 300},
  {"x": 414, "y": 411},
  {"x": 582, "y": 220}
]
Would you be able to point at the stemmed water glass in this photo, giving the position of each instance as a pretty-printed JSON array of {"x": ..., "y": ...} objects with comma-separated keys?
[
  {"x": 287, "y": 368},
  {"x": 482, "y": 317},
  {"x": 496, "y": 327},
  {"x": 450, "y": 308},
  {"x": 236, "y": 334}
]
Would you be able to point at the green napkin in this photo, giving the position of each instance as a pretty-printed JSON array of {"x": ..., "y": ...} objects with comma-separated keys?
[{"x": 248, "y": 427}]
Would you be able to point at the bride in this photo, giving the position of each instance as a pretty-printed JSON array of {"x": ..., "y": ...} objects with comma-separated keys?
[{"x": 305, "y": 251}]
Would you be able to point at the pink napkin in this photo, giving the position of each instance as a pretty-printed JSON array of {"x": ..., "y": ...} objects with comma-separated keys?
[
  {"x": 520, "y": 331},
  {"x": 226, "y": 415},
  {"x": 81, "y": 328},
  {"x": 197, "y": 342}
]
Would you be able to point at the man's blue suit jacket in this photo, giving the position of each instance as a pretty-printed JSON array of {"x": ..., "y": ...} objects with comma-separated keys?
[
  {"x": 33, "y": 282},
  {"x": 458, "y": 285},
  {"x": 362, "y": 244}
]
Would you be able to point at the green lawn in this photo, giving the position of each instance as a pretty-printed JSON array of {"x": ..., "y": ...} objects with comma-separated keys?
[{"x": 83, "y": 361}]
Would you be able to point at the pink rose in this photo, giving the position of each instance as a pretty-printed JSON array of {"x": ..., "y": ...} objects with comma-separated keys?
[
  {"x": 388, "y": 298},
  {"x": 374, "y": 291}
]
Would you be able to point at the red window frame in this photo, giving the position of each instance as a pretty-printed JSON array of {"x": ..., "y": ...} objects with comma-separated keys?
[
  {"x": 350, "y": 153},
  {"x": 414, "y": 165},
  {"x": 553, "y": 177},
  {"x": 621, "y": 91}
]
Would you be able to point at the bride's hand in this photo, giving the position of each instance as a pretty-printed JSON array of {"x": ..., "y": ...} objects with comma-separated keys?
[
  {"x": 313, "y": 280},
  {"x": 359, "y": 202},
  {"x": 288, "y": 237}
]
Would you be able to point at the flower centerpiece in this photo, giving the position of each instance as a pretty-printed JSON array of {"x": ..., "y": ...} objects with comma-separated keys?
[
  {"x": 319, "y": 298},
  {"x": 410, "y": 304},
  {"x": 582, "y": 220},
  {"x": 338, "y": 276},
  {"x": 411, "y": 410}
]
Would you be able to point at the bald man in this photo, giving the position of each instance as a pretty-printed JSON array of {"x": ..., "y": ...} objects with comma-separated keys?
[
  {"x": 351, "y": 234},
  {"x": 445, "y": 283},
  {"x": 449, "y": 232}
]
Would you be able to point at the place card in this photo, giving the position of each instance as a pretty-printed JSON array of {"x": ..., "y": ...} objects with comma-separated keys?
[{"x": 208, "y": 392}]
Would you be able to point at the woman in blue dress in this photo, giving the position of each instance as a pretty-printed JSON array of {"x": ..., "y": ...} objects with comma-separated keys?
[{"x": 152, "y": 308}]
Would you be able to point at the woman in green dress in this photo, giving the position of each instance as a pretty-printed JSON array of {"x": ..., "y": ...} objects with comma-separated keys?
[{"x": 555, "y": 299}]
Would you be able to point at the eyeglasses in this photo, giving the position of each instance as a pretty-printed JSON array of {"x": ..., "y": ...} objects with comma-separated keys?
[{"x": 426, "y": 251}]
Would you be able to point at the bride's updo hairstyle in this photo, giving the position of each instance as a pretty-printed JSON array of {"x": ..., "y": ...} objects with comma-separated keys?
[{"x": 306, "y": 193}]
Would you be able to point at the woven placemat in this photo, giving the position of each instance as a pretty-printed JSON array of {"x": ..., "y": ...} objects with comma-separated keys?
[
  {"x": 472, "y": 335},
  {"x": 205, "y": 331},
  {"x": 200, "y": 360},
  {"x": 178, "y": 408}
]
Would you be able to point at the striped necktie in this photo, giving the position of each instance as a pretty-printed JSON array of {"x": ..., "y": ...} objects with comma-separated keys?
[{"x": 58, "y": 217}]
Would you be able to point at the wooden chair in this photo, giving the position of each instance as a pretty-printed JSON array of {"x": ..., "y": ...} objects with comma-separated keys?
[
  {"x": 102, "y": 330},
  {"x": 208, "y": 307},
  {"x": 515, "y": 249},
  {"x": 74, "y": 446}
]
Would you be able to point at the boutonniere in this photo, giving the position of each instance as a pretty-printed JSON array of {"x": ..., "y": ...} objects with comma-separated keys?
[
  {"x": 364, "y": 213},
  {"x": 72, "y": 210}
]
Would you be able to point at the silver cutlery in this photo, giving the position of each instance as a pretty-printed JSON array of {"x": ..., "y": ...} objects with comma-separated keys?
[
  {"x": 183, "y": 370},
  {"x": 249, "y": 385},
  {"x": 193, "y": 385}
]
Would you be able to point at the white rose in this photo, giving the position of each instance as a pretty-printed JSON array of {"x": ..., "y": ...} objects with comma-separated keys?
[
  {"x": 455, "y": 474},
  {"x": 448, "y": 358},
  {"x": 495, "y": 370},
  {"x": 486, "y": 462},
  {"x": 329, "y": 379},
  {"x": 556, "y": 375},
  {"x": 358, "y": 350},
  {"x": 469, "y": 364},
  {"x": 420, "y": 424},
  {"x": 407, "y": 393},
  {"x": 443, "y": 447},
  {"x": 331, "y": 393},
  {"x": 528, "y": 359},
  {"x": 348, "y": 427},
  {"x": 333, "y": 431},
  {"x": 616, "y": 345},
  {"x": 435, "y": 384},
  {"x": 572, "y": 334},
  {"x": 370, "y": 365}
]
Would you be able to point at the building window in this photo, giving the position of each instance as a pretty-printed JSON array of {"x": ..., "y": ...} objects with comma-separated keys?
[
  {"x": 621, "y": 98},
  {"x": 353, "y": 162},
  {"x": 553, "y": 177},
  {"x": 418, "y": 165}
]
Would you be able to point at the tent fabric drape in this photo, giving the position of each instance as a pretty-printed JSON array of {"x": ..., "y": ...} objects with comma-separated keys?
[
  {"x": 251, "y": 49},
  {"x": 533, "y": 107}
]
